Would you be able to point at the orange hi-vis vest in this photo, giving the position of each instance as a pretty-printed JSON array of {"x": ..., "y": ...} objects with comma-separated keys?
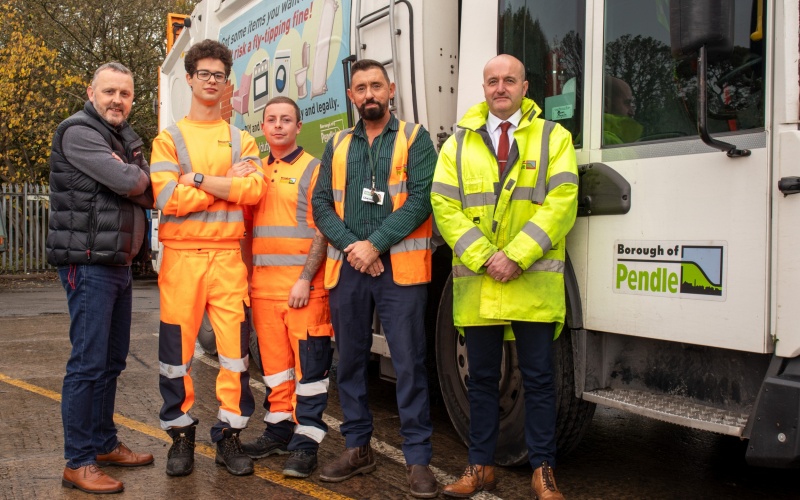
[
  {"x": 283, "y": 229},
  {"x": 411, "y": 256}
]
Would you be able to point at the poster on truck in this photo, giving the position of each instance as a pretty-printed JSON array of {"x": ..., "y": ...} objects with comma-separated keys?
[{"x": 291, "y": 48}]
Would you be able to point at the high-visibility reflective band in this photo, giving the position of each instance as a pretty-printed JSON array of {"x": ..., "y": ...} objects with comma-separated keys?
[
  {"x": 467, "y": 239},
  {"x": 410, "y": 245},
  {"x": 181, "y": 421},
  {"x": 236, "y": 145},
  {"x": 301, "y": 214},
  {"x": 409, "y": 132},
  {"x": 165, "y": 195},
  {"x": 283, "y": 232},
  {"x": 462, "y": 271},
  {"x": 540, "y": 191},
  {"x": 522, "y": 194},
  {"x": 340, "y": 137},
  {"x": 400, "y": 187},
  {"x": 205, "y": 216},
  {"x": 311, "y": 432},
  {"x": 279, "y": 260},
  {"x": 478, "y": 200},
  {"x": 549, "y": 265},
  {"x": 338, "y": 195},
  {"x": 238, "y": 365},
  {"x": 312, "y": 388},
  {"x": 180, "y": 148},
  {"x": 254, "y": 159},
  {"x": 279, "y": 378},
  {"x": 334, "y": 253},
  {"x": 538, "y": 235},
  {"x": 460, "y": 133},
  {"x": 510, "y": 184},
  {"x": 275, "y": 417},
  {"x": 236, "y": 421},
  {"x": 561, "y": 178},
  {"x": 174, "y": 371},
  {"x": 164, "y": 166},
  {"x": 443, "y": 189}
]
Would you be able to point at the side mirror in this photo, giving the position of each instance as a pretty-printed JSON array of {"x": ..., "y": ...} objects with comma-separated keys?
[{"x": 697, "y": 23}]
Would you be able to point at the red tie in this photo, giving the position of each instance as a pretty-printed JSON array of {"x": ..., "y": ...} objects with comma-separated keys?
[{"x": 503, "y": 147}]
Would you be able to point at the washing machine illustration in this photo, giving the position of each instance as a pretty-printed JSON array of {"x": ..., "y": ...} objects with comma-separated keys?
[{"x": 281, "y": 69}]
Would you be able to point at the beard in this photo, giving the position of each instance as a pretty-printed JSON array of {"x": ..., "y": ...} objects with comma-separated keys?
[{"x": 372, "y": 113}]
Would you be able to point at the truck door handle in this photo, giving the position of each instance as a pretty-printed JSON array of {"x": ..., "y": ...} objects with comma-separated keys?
[{"x": 789, "y": 185}]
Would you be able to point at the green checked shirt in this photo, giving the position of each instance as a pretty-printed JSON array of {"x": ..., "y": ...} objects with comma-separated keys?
[{"x": 370, "y": 221}]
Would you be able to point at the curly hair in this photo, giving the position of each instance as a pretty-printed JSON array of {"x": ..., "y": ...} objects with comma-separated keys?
[{"x": 208, "y": 49}]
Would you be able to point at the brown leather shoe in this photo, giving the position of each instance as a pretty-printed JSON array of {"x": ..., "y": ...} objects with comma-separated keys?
[
  {"x": 90, "y": 479},
  {"x": 543, "y": 483},
  {"x": 124, "y": 457},
  {"x": 353, "y": 461},
  {"x": 421, "y": 482},
  {"x": 474, "y": 479}
]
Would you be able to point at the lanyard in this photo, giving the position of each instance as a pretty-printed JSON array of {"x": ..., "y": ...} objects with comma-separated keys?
[{"x": 373, "y": 161}]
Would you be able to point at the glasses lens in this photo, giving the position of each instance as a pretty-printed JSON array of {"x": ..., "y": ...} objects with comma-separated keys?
[{"x": 220, "y": 77}]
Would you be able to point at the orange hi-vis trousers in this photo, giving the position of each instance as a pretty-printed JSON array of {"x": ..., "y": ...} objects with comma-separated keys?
[
  {"x": 296, "y": 355},
  {"x": 193, "y": 282}
]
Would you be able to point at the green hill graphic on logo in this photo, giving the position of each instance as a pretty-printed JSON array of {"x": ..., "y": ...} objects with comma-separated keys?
[{"x": 701, "y": 270}]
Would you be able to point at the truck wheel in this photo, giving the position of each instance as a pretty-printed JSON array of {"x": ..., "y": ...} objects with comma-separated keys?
[{"x": 574, "y": 415}]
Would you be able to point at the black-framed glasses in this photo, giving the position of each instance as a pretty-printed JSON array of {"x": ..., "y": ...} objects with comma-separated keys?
[{"x": 206, "y": 75}]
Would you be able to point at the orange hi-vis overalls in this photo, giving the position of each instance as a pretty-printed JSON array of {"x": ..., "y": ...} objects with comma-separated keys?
[
  {"x": 411, "y": 256},
  {"x": 295, "y": 343},
  {"x": 202, "y": 268}
]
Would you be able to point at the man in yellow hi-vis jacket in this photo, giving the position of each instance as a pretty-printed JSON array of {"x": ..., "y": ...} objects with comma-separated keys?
[{"x": 504, "y": 197}]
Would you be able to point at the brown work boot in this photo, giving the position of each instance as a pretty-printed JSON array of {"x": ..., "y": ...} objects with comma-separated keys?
[
  {"x": 544, "y": 483},
  {"x": 421, "y": 482},
  {"x": 90, "y": 479},
  {"x": 353, "y": 461},
  {"x": 474, "y": 479},
  {"x": 124, "y": 457}
]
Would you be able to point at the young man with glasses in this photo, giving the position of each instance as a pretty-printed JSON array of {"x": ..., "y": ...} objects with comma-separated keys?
[{"x": 203, "y": 172}]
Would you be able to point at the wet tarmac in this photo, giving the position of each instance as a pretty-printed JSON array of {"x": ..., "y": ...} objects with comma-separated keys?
[{"x": 623, "y": 456}]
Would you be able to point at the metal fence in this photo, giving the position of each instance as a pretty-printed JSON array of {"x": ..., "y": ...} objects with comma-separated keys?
[{"x": 24, "y": 211}]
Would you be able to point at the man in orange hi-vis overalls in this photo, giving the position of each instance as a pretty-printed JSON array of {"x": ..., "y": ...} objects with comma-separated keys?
[
  {"x": 203, "y": 172},
  {"x": 290, "y": 303}
]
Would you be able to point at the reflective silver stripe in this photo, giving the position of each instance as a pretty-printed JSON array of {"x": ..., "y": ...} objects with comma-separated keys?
[
  {"x": 236, "y": 421},
  {"x": 164, "y": 166},
  {"x": 279, "y": 260},
  {"x": 312, "y": 388},
  {"x": 446, "y": 190},
  {"x": 400, "y": 187},
  {"x": 236, "y": 145},
  {"x": 467, "y": 239},
  {"x": 283, "y": 232},
  {"x": 181, "y": 421},
  {"x": 302, "y": 196},
  {"x": 238, "y": 365},
  {"x": 340, "y": 137},
  {"x": 204, "y": 216},
  {"x": 510, "y": 184},
  {"x": 174, "y": 371},
  {"x": 275, "y": 417},
  {"x": 278, "y": 378},
  {"x": 165, "y": 195},
  {"x": 180, "y": 148},
  {"x": 334, "y": 253},
  {"x": 550, "y": 265},
  {"x": 538, "y": 235},
  {"x": 408, "y": 131},
  {"x": 522, "y": 193},
  {"x": 559, "y": 179},
  {"x": 338, "y": 195},
  {"x": 479, "y": 200},
  {"x": 460, "y": 133},
  {"x": 462, "y": 271},
  {"x": 314, "y": 433},
  {"x": 410, "y": 245},
  {"x": 254, "y": 159},
  {"x": 540, "y": 191}
]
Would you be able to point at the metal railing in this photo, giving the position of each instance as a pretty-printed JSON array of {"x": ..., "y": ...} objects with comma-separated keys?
[{"x": 24, "y": 211}]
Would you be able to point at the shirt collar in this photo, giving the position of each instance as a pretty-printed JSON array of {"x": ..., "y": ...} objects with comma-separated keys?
[
  {"x": 290, "y": 158},
  {"x": 493, "y": 122}
]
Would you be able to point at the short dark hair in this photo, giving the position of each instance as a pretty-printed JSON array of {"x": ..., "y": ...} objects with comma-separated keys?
[
  {"x": 365, "y": 64},
  {"x": 283, "y": 100},
  {"x": 208, "y": 49},
  {"x": 113, "y": 66}
]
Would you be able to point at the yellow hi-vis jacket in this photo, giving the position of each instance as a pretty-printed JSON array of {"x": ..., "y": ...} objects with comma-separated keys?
[
  {"x": 527, "y": 216},
  {"x": 411, "y": 256}
]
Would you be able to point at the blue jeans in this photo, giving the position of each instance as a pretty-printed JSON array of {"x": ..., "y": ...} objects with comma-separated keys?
[{"x": 100, "y": 302}]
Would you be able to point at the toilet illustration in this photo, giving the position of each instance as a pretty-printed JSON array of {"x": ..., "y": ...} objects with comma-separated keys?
[{"x": 301, "y": 74}]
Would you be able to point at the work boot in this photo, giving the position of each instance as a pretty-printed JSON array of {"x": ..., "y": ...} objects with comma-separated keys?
[
  {"x": 180, "y": 457},
  {"x": 351, "y": 462},
  {"x": 543, "y": 483},
  {"x": 230, "y": 454},
  {"x": 90, "y": 479},
  {"x": 474, "y": 479},
  {"x": 124, "y": 457},
  {"x": 421, "y": 482},
  {"x": 264, "y": 446},
  {"x": 301, "y": 463}
]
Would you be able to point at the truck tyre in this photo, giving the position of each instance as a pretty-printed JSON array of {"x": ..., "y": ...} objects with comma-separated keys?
[{"x": 574, "y": 415}]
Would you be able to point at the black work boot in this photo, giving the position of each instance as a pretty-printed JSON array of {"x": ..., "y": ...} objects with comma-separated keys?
[
  {"x": 180, "y": 457},
  {"x": 230, "y": 454},
  {"x": 301, "y": 463},
  {"x": 264, "y": 446}
]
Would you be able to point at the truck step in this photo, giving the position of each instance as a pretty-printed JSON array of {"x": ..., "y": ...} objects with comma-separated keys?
[{"x": 674, "y": 409}]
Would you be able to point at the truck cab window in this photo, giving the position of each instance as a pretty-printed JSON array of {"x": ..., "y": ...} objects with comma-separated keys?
[
  {"x": 550, "y": 43},
  {"x": 649, "y": 96}
]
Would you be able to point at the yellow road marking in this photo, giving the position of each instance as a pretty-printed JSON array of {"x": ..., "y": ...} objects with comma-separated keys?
[{"x": 304, "y": 487}]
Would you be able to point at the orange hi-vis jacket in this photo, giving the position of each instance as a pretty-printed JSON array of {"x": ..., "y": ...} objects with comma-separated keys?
[
  {"x": 190, "y": 217},
  {"x": 283, "y": 228},
  {"x": 411, "y": 256}
]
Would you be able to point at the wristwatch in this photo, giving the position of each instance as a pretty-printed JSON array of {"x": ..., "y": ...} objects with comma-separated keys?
[{"x": 198, "y": 179}]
